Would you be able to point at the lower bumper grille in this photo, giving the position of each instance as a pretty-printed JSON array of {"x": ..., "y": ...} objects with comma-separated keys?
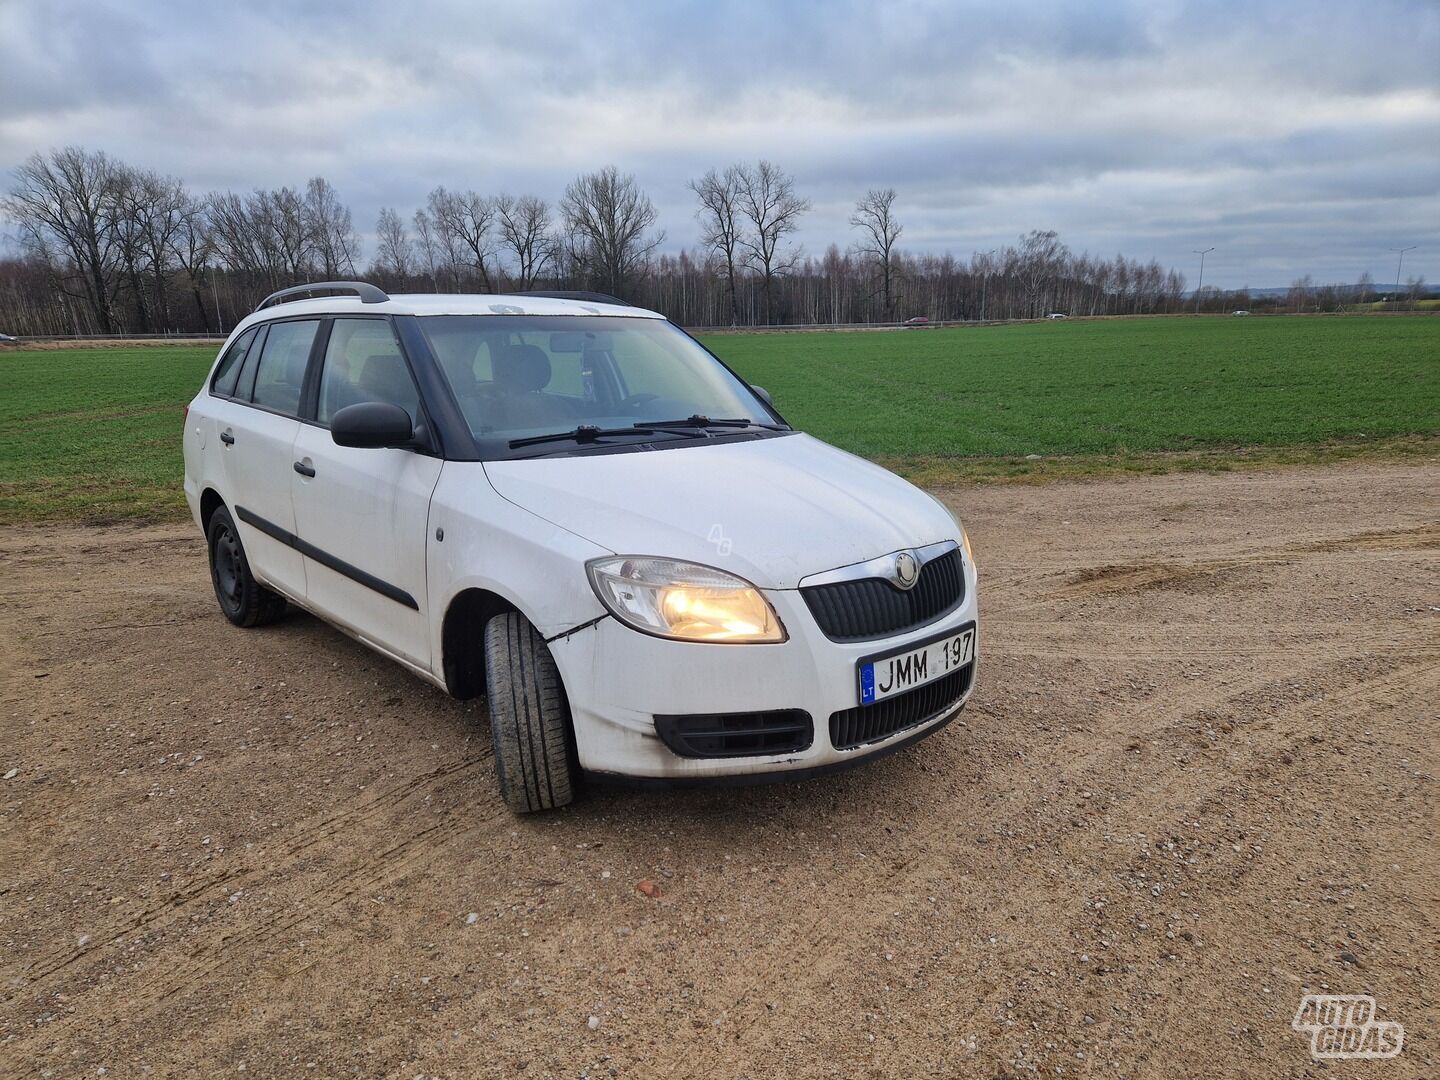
[
  {"x": 719, "y": 735},
  {"x": 863, "y": 724}
]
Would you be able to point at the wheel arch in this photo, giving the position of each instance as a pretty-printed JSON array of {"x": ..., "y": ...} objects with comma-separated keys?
[
  {"x": 210, "y": 501},
  {"x": 462, "y": 654}
]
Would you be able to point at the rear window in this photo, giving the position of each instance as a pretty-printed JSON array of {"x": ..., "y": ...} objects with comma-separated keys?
[
  {"x": 228, "y": 370},
  {"x": 281, "y": 376}
]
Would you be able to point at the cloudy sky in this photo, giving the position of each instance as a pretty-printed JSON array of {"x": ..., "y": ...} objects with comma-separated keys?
[{"x": 1294, "y": 137}]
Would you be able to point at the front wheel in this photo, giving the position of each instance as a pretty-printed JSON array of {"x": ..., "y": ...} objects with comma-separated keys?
[
  {"x": 243, "y": 600},
  {"x": 529, "y": 717}
]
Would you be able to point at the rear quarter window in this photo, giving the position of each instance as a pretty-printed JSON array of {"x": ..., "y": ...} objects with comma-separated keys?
[{"x": 227, "y": 372}]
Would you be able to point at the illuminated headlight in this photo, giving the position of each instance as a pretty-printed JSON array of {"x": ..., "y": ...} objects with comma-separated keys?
[{"x": 683, "y": 600}]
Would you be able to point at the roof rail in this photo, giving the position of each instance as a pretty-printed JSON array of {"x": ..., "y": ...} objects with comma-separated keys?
[
  {"x": 367, "y": 293},
  {"x": 565, "y": 294}
]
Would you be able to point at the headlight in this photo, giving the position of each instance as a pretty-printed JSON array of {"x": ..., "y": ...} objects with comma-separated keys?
[
  {"x": 683, "y": 600},
  {"x": 964, "y": 536}
]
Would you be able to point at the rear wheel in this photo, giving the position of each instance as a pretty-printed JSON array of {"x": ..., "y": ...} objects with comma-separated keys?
[
  {"x": 243, "y": 600},
  {"x": 529, "y": 716}
]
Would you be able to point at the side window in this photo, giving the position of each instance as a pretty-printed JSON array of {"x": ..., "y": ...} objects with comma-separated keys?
[
  {"x": 228, "y": 370},
  {"x": 363, "y": 363},
  {"x": 281, "y": 375}
]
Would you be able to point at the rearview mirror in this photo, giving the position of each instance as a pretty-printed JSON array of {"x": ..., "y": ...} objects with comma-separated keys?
[
  {"x": 372, "y": 425},
  {"x": 764, "y": 394}
]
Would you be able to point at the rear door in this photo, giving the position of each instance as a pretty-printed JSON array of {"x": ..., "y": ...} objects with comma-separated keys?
[
  {"x": 363, "y": 515},
  {"x": 257, "y": 434}
]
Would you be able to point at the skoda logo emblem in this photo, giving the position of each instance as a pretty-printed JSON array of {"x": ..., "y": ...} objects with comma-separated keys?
[{"x": 906, "y": 570}]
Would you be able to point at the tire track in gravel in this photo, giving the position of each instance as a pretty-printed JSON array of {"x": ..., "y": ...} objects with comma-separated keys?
[
  {"x": 332, "y": 829},
  {"x": 828, "y": 945},
  {"x": 1113, "y": 578},
  {"x": 403, "y": 849}
]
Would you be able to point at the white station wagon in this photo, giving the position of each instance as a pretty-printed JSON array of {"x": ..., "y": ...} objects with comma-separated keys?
[{"x": 568, "y": 505}]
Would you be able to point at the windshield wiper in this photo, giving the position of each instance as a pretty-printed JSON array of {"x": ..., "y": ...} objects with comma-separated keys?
[
  {"x": 590, "y": 432},
  {"x": 698, "y": 421}
]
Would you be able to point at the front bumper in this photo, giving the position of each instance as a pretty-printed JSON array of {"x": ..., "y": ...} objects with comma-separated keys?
[{"x": 618, "y": 680}]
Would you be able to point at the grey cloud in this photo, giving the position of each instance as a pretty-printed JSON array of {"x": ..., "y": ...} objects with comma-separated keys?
[{"x": 1299, "y": 139}]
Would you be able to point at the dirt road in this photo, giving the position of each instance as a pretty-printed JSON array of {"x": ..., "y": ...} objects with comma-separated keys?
[{"x": 1197, "y": 781}]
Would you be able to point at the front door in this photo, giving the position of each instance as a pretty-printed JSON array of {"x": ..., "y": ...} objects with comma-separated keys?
[{"x": 362, "y": 515}]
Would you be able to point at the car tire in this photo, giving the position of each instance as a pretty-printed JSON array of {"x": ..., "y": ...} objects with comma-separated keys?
[
  {"x": 529, "y": 716},
  {"x": 243, "y": 600}
]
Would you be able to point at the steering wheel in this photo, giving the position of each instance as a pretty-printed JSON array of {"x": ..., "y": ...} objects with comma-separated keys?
[{"x": 634, "y": 400}]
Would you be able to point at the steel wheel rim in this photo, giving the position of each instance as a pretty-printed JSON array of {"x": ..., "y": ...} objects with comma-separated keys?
[{"x": 228, "y": 567}]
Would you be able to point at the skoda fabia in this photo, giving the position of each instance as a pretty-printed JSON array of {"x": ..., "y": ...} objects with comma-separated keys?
[{"x": 568, "y": 505}]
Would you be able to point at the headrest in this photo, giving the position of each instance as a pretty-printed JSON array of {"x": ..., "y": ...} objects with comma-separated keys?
[
  {"x": 522, "y": 368},
  {"x": 386, "y": 377}
]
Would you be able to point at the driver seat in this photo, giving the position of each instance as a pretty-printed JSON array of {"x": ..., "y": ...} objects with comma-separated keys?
[{"x": 517, "y": 399}]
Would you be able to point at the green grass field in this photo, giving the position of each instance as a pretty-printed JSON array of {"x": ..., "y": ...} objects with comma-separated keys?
[{"x": 94, "y": 434}]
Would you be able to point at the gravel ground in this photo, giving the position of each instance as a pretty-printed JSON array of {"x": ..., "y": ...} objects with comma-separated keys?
[{"x": 1197, "y": 781}]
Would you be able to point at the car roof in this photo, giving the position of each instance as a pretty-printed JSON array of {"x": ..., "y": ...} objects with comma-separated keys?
[{"x": 445, "y": 304}]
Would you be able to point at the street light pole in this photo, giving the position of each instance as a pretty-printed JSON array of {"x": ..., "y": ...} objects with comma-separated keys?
[
  {"x": 1398, "y": 264},
  {"x": 1201, "y": 285}
]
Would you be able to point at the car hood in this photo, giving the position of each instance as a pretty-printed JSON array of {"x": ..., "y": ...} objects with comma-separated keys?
[{"x": 771, "y": 510}]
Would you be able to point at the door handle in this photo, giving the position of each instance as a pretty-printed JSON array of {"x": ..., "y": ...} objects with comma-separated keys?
[
  {"x": 227, "y": 438},
  {"x": 303, "y": 469}
]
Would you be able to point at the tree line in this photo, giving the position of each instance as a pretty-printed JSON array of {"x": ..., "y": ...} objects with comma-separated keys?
[{"x": 107, "y": 248}]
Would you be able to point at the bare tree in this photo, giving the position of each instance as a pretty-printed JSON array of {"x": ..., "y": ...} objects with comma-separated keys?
[
  {"x": 1364, "y": 288},
  {"x": 719, "y": 214},
  {"x": 152, "y": 213},
  {"x": 525, "y": 232},
  {"x": 394, "y": 253},
  {"x": 875, "y": 218},
  {"x": 331, "y": 232},
  {"x": 463, "y": 220},
  {"x": 609, "y": 220},
  {"x": 768, "y": 200},
  {"x": 66, "y": 202},
  {"x": 193, "y": 248},
  {"x": 429, "y": 246},
  {"x": 1041, "y": 257}
]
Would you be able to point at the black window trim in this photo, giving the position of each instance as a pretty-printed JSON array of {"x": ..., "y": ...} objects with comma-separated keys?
[
  {"x": 449, "y": 432},
  {"x": 442, "y": 437},
  {"x": 468, "y": 448}
]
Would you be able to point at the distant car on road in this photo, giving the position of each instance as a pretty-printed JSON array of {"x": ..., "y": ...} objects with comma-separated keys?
[
  {"x": 1057, "y": 315},
  {"x": 918, "y": 320},
  {"x": 6, "y": 339},
  {"x": 1239, "y": 311}
]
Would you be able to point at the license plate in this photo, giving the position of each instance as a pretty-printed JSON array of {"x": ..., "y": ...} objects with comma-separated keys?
[{"x": 894, "y": 673}]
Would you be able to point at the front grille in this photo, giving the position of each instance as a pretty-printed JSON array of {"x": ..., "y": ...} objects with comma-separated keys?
[
  {"x": 875, "y": 608},
  {"x": 714, "y": 735},
  {"x": 863, "y": 724}
]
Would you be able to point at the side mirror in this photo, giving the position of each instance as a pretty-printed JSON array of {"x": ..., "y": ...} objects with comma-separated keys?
[
  {"x": 372, "y": 425},
  {"x": 764, "y": 394}
]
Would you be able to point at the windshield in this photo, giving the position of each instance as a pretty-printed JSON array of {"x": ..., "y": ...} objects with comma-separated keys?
[{"x": 586, "y": 378}]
